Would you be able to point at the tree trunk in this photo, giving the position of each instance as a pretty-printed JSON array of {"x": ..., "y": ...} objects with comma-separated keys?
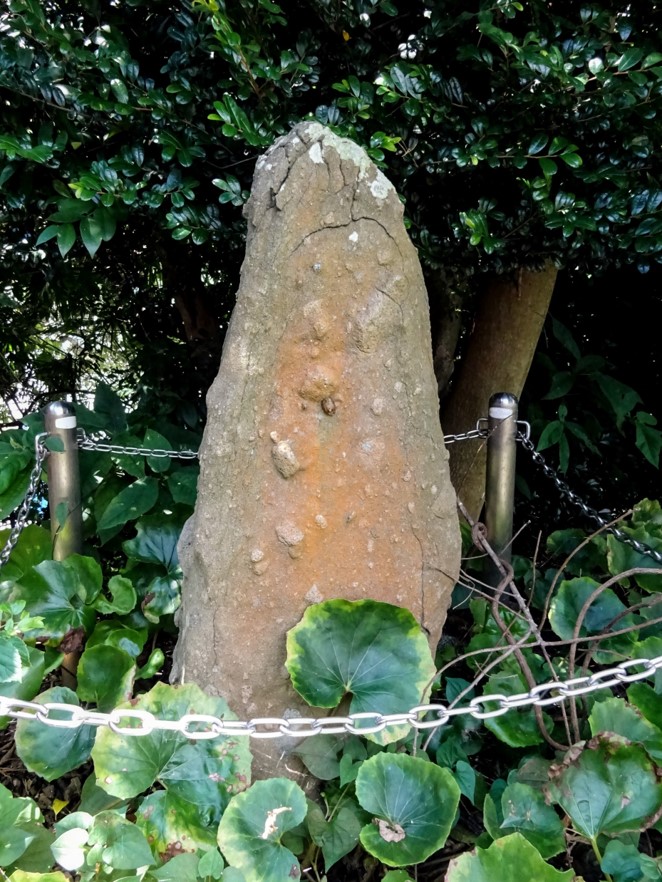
[{"x": 507, "y": 325}]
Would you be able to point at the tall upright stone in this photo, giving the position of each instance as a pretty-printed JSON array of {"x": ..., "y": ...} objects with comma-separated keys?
[{"x": 323, "y": 467}]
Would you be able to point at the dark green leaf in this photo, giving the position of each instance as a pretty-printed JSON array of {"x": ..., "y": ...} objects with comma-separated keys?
[
  {"x": 172, "y": 824},
  {"x": 202, "y": 773},
  {"x": 105, "y": 676},
  {"x": 413, "y": 803},
  {"x": 52, "y": 752},
  {"x": 342, "y": 647},
  {"x": 609, "y": 787},
  {"x": 130, "y": 503},
  {"x": 252, "y": 826},
  {"x": 511, "y": 859}
]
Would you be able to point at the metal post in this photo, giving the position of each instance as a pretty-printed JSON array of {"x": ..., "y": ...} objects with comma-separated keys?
[
  {"x": 64, "y": 498},
  {"x": 500, "y": 477}
]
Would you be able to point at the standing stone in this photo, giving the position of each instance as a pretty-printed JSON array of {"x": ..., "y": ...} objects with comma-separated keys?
[{"x": 323, "y": 468}]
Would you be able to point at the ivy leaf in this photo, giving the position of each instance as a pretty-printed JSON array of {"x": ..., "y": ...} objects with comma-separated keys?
[
  {"x": 183, "y": 485},
  {"x": 252, "y": 826},
  {"x": 413, "y": 802},
  {"x": 648, "y": 439},
  {"x": 320, "y": 755},
  {"x": 357, "y": 647},
  {"x": 56, "y": 592},
  {"x": 511, "y": 859}
]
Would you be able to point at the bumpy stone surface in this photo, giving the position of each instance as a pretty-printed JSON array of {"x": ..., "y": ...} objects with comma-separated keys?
[{"x": 323, "y": 468}]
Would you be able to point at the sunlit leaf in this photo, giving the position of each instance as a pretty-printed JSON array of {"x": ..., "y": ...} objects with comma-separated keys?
[{"x": 359, "y": 647}]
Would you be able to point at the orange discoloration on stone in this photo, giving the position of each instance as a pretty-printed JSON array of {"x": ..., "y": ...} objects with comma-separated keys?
[{"x": 323, "y": 469}]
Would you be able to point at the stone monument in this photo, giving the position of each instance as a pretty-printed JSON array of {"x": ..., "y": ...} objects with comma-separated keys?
[{"x": 323, "y": 471}]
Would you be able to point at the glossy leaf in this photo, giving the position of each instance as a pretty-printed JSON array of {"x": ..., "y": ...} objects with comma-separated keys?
[
  {"x": 52, "y": 752},
  {"x": 171, "y": 825},
  {"x": 413, "y": 803},
  {"x": 608, "y": 787},
  {"x": 571, "y": 598},
  {"x": 358, "y": 647},
  {"x": 523, "y": 810},
  {"x": 252, "y": 826},
  {"x": 130, "y": 504},
  {"x": 614, "y": 715},
  {"x": 105, "y": 676},
  {"x": 59, "y": 591},
  {"x": 511, "y": 859},
  {"x": 155, "y": 542},
  {"x": 204, "y": 773},
  {"x": 123, "y": 597}
]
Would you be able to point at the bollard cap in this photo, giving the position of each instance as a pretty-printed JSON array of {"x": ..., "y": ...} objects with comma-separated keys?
[{"x": 60, "y": 415}]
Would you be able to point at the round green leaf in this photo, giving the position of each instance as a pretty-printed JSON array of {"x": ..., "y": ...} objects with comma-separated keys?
[
  {"x": 172, "y": 825},
  {"x": 524, "y": 810},
  {"x": 511, "y": 859},
  {"x": 123, "y": 597},
  {"x": 32, "y": 675},
  {"x": 204, "y": 773},
  {"x": 117, "y": 843},
  {"x": 34, "y": 545},
  {"x": 59, "y": 592},
  {"x": 569, "y": 601},
  {"x": 105, "y": 676},
  {"x": 52, "y": 751},
  {"x": 413, "y": 802},
  {"x": 609, "y": 787},
  {"x": 251, "y": 829},
  {"x": 614, "y": 715},
  {"x": 13, "y": 655},
  {"x": 375, "y": 651},
  {"x": 155, "y": 542}
]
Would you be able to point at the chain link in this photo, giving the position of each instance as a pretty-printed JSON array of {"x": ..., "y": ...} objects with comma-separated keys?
[
  {"x": 577, "y": 501},
  {"x": 40, "y": 453},
  {"x": 199, "y": 727},
  {"x": 478, "y": 432},
  {"x": 85, "y": 442}
]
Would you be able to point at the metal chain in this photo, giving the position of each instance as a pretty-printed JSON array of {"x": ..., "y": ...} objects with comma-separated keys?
[
  {"x": 590, "y": 513},
  {"x": 198, "y": 727},
  {"x": 85, "y": 442},
  {"x": 478, "y": 432},
  {"x": 40, "y": 453}
]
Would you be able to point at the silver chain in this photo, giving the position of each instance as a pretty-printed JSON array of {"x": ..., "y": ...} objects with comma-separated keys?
[
  {"x": 198, "y": 727},
  {"x": 589, "y": 512},
  {"x": 40, "y": 453},
  {"x": 85, "y": 442},
  {"x": 478, "y": 432}
]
